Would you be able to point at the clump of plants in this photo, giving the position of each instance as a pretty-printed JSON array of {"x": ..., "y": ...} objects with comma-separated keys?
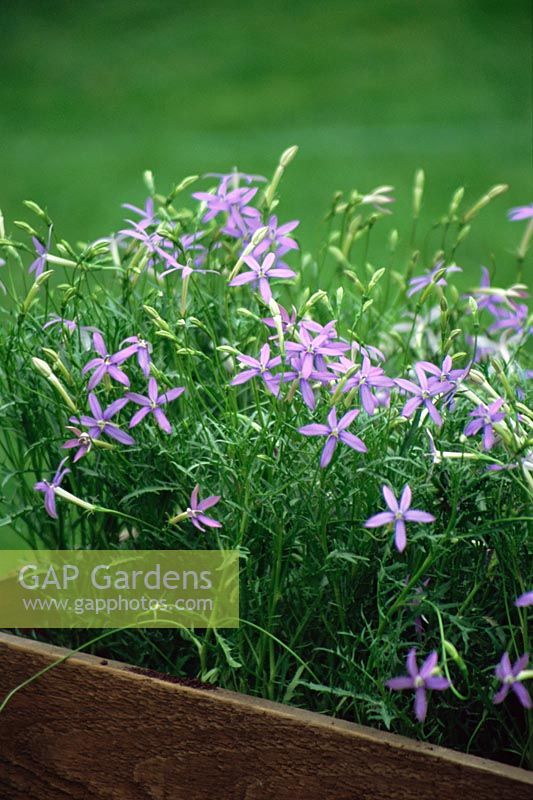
[{"x": 360, "y": 433}]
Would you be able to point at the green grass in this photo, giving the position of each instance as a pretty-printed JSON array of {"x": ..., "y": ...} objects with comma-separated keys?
[{"x": 92, "y": 94}]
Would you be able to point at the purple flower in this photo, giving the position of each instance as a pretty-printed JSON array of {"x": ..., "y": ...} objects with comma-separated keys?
[
  {"x": 398, "y": 515},
  {"x": 146, "y": 214},
  {"x": 261, "y": 274},
  {"x": 259, "y": 368},
  {"x": 2, "y": 286},
  {"x": 287, "y": 322},
  {"x": 510, "y": 679},
  {"x": 152, "y": 404},
  {"x": 141, "y": 349},
  {"x": 335, "y": 432},
  {"x": 71, "y": 326},
  {"x": 100, "y": 422},
  {"x": 366, "y": 379},
  {"x": 303, "y": 374},
  {"x": 49, "y": 489},
  {"x": 524, "y": 600},
  {"x": 520, "y": 212},
  {"x": 155, "y": 244},
  {"x": 276, "y": 237},
  {"x": 423, "y": 394},
  {"x": 509, "y": 319},
  {"x": 106, "y": 364},
  {"x": 420, "y": 680},
  {"x": 313, "y": 348},
  {"x": 38, "y": 266},
  {"x": 82, "y": 441},
  {"x": 417, "y": 284},
  {"x": 484, "y": 419},
  {"x": 445, "y": 373},
  {"x": 235, "y": 203},
  {"x": 196, "y": 510}
]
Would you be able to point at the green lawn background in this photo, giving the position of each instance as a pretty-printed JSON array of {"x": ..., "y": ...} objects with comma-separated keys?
[{"x": 92, "y": 93}]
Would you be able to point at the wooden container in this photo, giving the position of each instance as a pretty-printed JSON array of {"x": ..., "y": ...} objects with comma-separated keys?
[{"x": 95, "y": 730}]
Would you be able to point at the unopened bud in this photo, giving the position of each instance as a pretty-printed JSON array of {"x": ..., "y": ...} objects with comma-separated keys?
[
  {"x": 38, "y": 210},
  {"x": 34, "y": 289},
  {"x": 148, "y": 178},
  {"x": 288, "y": 155},
  {"x": 456, "y": 201},
  {"x": 483, "y": 201},
  {"x": 418, "y": 192}
]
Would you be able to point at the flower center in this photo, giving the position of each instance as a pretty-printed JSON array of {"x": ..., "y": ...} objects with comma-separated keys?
[
  {"x": 398, "y": 515},
  {"x": 419, "y": 682}
]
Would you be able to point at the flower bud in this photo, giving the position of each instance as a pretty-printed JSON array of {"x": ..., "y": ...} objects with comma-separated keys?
[
  {"x": 37, "y": 210},
  {"x": 288, "y": 155},
  {"x": 456, "y": 201},
  {"x": 483, "y": 201},
  {"x": 32, "y": 294},
  {"x": 418, "y": 192},
  {"x": 148, "y": 178}
]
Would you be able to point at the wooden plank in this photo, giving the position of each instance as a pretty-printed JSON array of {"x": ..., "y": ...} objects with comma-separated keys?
[{"x": 92, "y": 730}]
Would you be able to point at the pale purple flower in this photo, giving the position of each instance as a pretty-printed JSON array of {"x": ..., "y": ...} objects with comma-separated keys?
[
  {"x": 82, "y": 441},
  {"x": 312, "y": 348},
  {"x": 276, "y": 240},
  {"x": 277, "y": 237},
  {"x": 49, "y": 489},
  {"x": 368, "y": 350},
  {"x": 445, "y": 373},
  {"x": 484, "y": 420},
  {"x": 106, "y": 364},
  {"x": 520, "y": 212},
  {"x": 2, "y": 286},
  {"x": 365, "y": 379},
  {"x": 71, "y": 326},
  {"x": 398, "y": 515},
  {"x": 302, "y": 373},
  {"x": 509, "y": 675},
  {"x": 155, "y": 244},
  {"x": 196, "y": 510},
  {"x": 335, "y": 432},
  {"x": 525, "y": 600},
  {"x": 152, "y": 404},
  {"x": 261, "y": 274},
  {"x": 142, "y": 349},
  {"x": 100, "y": 422},
  {"x": 146, "y": 214},
  {"x": 190, "y": 243},
  {"x": 484, "y": 299},
  {"x": 420, "y": 680},
  {"x": 513, "y": 318},
  {"x": 288, "y": 323},
  {"x": 423, "y": 394},
  {"x": 38, "y": 266},
  {"x": 235, "y": 202},
  {"x": 261, "y": 368},
  {"x": 417, "y": 284}
]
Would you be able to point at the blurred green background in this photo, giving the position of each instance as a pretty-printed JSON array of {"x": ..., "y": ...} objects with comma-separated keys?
[{"x": 92, "y": 93}]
